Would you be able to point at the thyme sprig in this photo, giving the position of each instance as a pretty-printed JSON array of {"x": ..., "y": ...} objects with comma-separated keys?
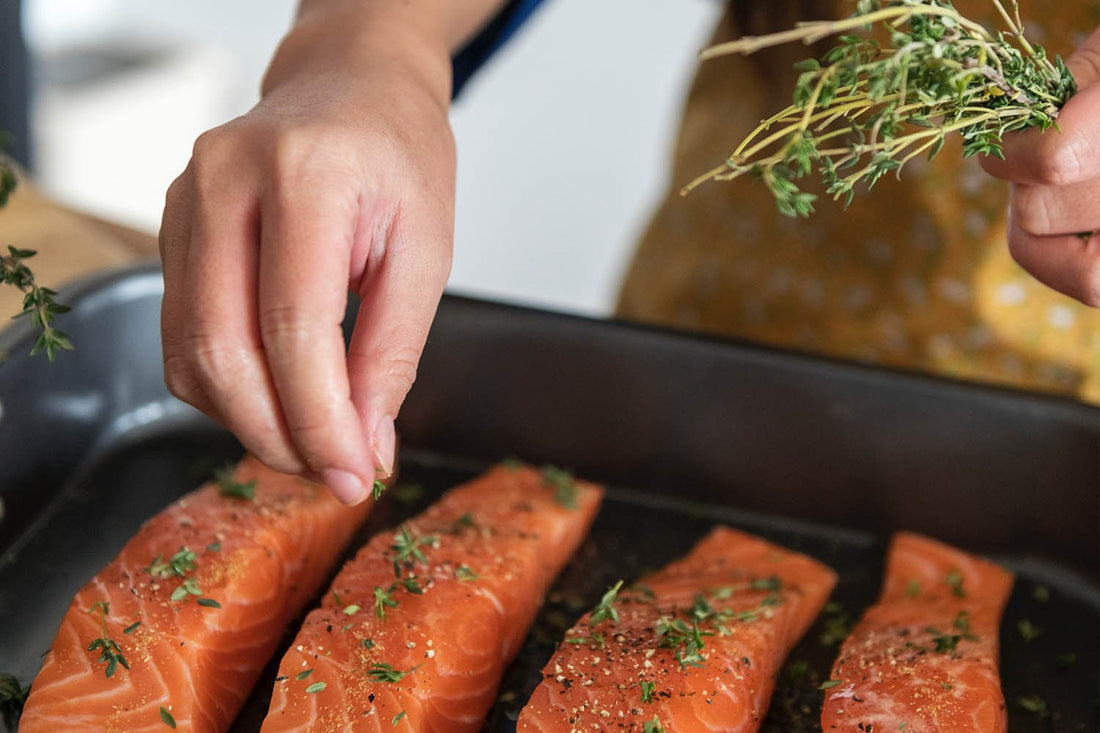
[
  {"x": 12, "y": 697},
  {"x": 110, "y": 653},
  {"x": 38, "y": 302},
  {"x": 869, "y": 106}
]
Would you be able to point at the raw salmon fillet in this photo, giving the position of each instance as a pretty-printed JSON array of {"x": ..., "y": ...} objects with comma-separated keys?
[
  {"x": 416, "y": 631},
  {"x": 924, "y": 659},
  {"x": 192, "y": 608},
  {"x": 695, "y": 647}
]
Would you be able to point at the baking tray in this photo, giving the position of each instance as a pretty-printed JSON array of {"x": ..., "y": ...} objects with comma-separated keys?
[{"x": 825, "y": 457}]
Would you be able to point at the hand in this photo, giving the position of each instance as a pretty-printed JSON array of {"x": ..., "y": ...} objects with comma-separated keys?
[
  {"x": 1054, "y": 205},
  {"x": 341, "y": 178}
]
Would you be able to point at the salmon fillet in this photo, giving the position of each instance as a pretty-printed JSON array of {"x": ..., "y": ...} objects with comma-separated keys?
[
  {"x": 924, "y": 659},
  {"x": 693, "y": 647},
  {"x": 176, "y": 629},
  {"x": 418, "y": 628}
]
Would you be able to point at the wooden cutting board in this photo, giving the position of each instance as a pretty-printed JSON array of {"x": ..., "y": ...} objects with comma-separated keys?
[{"x": 69, "y": 244}]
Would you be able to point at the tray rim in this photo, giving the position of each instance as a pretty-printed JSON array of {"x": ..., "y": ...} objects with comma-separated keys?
[{"x": 17, "y": 338}]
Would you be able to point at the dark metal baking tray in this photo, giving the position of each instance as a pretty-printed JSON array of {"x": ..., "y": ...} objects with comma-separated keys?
[{"x": 822, "y": 456}]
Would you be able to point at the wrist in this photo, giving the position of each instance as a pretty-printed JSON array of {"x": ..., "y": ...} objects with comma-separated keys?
[{"x": 335, "y": 35}]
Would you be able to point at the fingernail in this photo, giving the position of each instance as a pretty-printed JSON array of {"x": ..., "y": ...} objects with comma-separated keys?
[
  {"x": 346, "y": 486},
  {"x": 384, "y": 444}
]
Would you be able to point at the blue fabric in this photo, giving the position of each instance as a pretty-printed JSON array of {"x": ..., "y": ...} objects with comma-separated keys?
[
  {"x": 475, "y": 53},
  {"x": 14, "y": 85}
]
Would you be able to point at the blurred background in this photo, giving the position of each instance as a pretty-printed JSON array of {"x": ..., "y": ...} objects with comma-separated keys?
[{"x": 563, "y": 138}]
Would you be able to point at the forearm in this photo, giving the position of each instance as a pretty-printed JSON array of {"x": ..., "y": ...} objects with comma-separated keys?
[{"x": 417, "y": 35}]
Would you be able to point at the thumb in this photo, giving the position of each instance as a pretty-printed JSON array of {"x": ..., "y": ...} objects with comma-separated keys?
[
  {"x": 399, "y": 299},
  {"x": 1070, "y": 152},
  {"x": 1084, "y": 64}
]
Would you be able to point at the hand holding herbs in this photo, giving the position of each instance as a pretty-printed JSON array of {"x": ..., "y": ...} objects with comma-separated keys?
[
  {"x": 904, "y": 75},
  {"x": 1053, "y": 213},
  {"x": 869, "y": 107}
]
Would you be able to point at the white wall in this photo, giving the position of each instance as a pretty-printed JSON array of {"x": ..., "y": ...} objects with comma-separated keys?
[{"x": 563, "y": 140}]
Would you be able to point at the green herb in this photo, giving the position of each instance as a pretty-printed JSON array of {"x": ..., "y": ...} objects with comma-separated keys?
[
  {"x": 902, "y": 725},
  {"x": 606, "y": 609},
  {"x": 397, "y": 718},
  {"x": 303, "y": 674},
  {"x": 1040, "y": 593},
  {"x": 466, "y": 521},
  {"x": 797, "y": 670},
  {"x": 377, "y": 489},
  {"x": 828, "y": 684},
  {"x": 1033, "y": 704},
  {"x": 407, "y": 493},
  {"x": 595, "y": 639},
  {"x": 912, "y": 588},
  {"x": 109, "y": 651},
  {"x": 208, "y": 602},
  {"x": 946, "y": 686},
  {"x": 1066, "y": 660},
  {"x": 685, "y": 641},
  {"x": 411, "y": 584},
  {"x": 12, "y": 697},
  {"x": 954, "y": 581},
  {"x": 130, "y": 629},
  {"x": 316, "y": 687},
  {"x": 383, "y": 599},
  {"x": 868, "y": 108},
  {"x": 772, "y": 583},
  {"x": 465, "y": 573},
  {"x": 1028, "y": 631},
  {"x": 945, "y": 643},
  {"x": 383, "y": 672},
  {"x": 214, "y": 547},
  {"x": 178, "y": 565},
  {"x": 228, "y": 485},
  {"x": 167, "y": 717},
  {"x": 700, "y": 609},
  {"x": 38, "y": 302},
  {"x": 837, "y": 629},
  {"x": 189, "y": 587},
  {"x": 653, "y": 726},
  {"x": 367, "y": 643},
  {"x": 351, "y": 609},
  {"x": 406, "y": 548},
  {"x": 647, "y": 691},
  {"x": 346, "y": 626},
  {"x": 565, "y": 489}
]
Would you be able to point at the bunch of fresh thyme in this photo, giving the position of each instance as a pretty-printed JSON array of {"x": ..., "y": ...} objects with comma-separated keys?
[
  {"x": 870, "y": 105},
  {"x": 38, "y": 302}
]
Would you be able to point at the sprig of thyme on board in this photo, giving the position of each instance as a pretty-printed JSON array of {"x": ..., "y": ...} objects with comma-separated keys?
[
  {"x": 38, "y": 302},
  {"x": 870, "y": 106}
]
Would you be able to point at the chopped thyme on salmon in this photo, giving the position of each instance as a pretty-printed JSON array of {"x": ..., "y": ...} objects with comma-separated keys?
[
  {"x": 443, "y": 604},
  {"x": 693, "y": 647},
  {"x": 176, "y": 629},
  {"x": 925, "y": 657}
]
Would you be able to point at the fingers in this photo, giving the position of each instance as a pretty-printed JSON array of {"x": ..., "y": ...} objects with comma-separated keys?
[
  {"x": 1047, "y": 210},
  {"x": 1070, "y": 152},
  {"x": 1062, "y": 155},
  {"x": 399, "y": 300},
  {"x": 213, "y": 355},
  {"x": 1066, "y": 262},
  {"x": 306, "y": 244},
  {"x": 1056, "y": 188}
]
